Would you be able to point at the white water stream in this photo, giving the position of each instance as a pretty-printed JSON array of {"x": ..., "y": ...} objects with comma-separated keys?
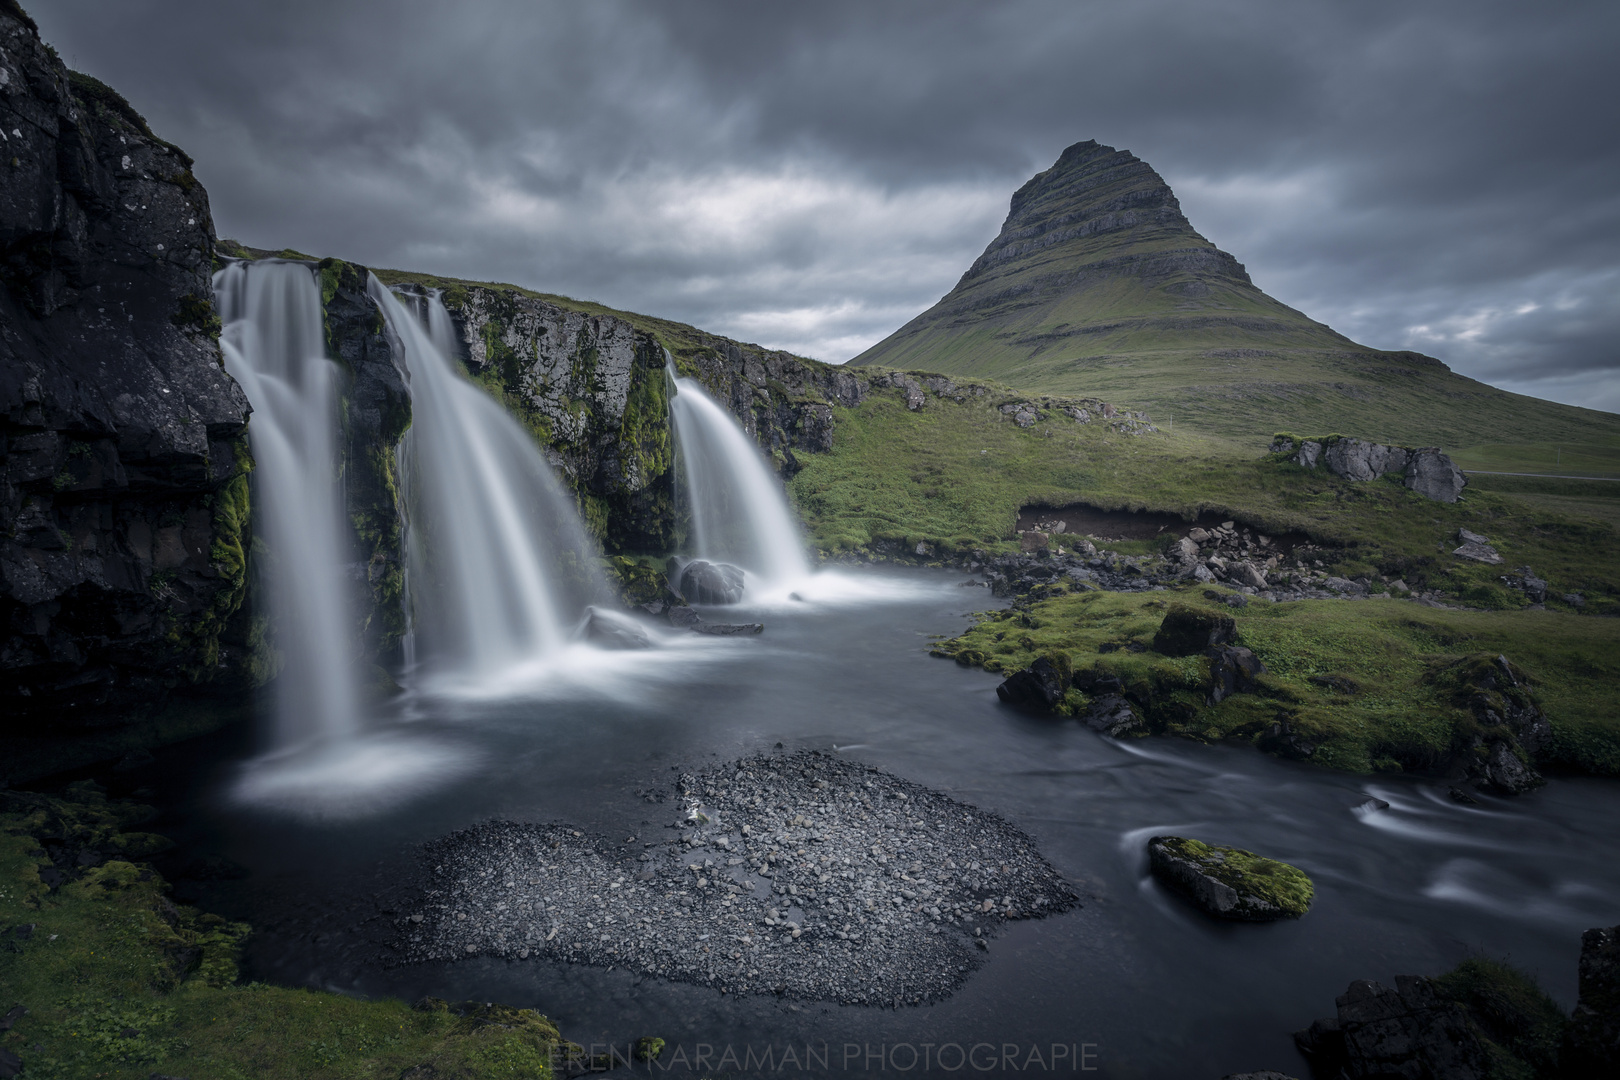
[
  {"x": 739, "y": 511},
  {"x": 500, "y": 566},
  {"x": 274, "y": 346}
]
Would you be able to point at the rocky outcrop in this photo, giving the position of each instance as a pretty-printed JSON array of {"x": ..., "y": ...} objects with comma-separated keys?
[
  {"x": 1476, "y": 548},
  {"x": 123, "y": 490},
  {"x": 1426, "y": 471},
  {"x": 1230, "y": 883},
  {"x": 1497, "y": 752},
  {"x": 1405, "y": 1030},
  {"x": 1483, "y": 1019}
]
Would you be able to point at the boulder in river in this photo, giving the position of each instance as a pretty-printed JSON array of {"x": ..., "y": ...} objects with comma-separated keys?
[
  {"x": 1230, "y": 883},
  {"x": 1039, "y": 687},
  {"x": 1188, "y": 631},
  {"x": 610, "y": 631},
  {"x": 704, "y": 582}
]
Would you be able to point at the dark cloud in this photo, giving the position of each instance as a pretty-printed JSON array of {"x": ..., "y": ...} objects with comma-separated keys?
[{"x": 1437, "y": 176}]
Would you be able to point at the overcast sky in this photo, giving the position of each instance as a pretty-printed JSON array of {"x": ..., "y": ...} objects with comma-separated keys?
[{"x": 1436, "y": 176}]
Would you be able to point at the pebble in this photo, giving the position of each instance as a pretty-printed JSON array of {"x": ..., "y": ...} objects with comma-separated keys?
[{"x": 805, "y": 875}]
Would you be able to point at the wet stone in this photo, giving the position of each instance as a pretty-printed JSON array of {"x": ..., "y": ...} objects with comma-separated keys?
[{"x": 803, "y": 875}]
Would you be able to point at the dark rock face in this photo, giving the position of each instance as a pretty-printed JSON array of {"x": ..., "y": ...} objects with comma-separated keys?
[
  {"x": 705, "y": 582},
  {"x": 1037, "y": 688},
  {"x": 1187, "y": 631},
  {"x": 593, "y": 387},
  {"x": 1592, "y": 1044},
  {"x": 123, "y": 497},
  {"x": 1407, "y": 1031},
  {"x": 377, "y": 410}
]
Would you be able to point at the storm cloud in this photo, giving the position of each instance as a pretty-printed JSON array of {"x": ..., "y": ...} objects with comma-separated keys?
[{"x": 1443, "y": 177}]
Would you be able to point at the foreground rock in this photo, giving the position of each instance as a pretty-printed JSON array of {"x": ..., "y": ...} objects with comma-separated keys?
[
  {"x": 806, "y": 875},
  {"x": 1228, "y": 882},
  {"x": 1592, "y": 1045},
  {"x": 1480, "y": 1021}
]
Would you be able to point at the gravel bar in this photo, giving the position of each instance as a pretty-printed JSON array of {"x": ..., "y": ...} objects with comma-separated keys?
[{"x": 804, "y": 875}]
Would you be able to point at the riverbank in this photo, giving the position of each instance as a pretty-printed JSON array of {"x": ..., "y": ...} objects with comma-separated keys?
[
  {"x": 105, "y": 976},
  {"x": 1363, "y": 685}
]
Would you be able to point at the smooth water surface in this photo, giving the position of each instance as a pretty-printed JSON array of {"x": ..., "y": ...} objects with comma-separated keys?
[{"x": 1158, "y": 989}]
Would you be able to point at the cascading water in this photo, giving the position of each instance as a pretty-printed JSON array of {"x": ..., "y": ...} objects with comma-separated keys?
[
  {"x": 274, "y": 346},
  {"x": 500, "y": 566},
  {"x": 739, "y": 511}
]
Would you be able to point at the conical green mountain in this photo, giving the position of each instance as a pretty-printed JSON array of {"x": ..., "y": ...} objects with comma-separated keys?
[{"x": 1099, "y": 285}]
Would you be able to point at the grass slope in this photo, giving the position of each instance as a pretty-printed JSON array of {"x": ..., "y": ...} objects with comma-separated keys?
[{"x": 954, "y": 476}]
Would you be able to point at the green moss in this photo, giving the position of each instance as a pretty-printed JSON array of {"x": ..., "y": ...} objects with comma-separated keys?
[
  {"x": 332, "y": 272},
  {"x": 1524, "y": 1026},
  {"x": 120, "y": 982},
  {"x": 1277, "y": 883},
  {"x": 196, "y": 313},
  {"x": 639, "y": 580}
]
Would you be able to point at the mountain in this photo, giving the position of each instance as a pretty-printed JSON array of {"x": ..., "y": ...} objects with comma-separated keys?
[{"x": 1098, "y": 284}]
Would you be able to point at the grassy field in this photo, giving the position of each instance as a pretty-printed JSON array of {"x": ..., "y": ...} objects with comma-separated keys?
[
  {"x": 1375, "y": 684},
  {"x": 1595, "y": 459},
  {"x": 120, "y": 983},
  {"x": 954, "y": 476}
]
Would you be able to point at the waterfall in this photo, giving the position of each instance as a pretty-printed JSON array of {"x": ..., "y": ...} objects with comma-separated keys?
[
  {"x": 274, "y": 346},
  {"x": 739, "y": 511},
  {"x": 499, "y": 564}
]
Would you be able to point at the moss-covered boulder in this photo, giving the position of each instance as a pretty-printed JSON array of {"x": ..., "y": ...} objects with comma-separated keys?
[
  {"x": 1187, "y": 631},
  {"x": 1231, "y": 883}
]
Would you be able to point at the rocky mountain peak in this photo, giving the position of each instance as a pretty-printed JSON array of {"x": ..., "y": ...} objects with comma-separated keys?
[{"x": 1095, "y": 192}]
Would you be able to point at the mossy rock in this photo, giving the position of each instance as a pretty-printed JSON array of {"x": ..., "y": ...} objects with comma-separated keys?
[
  {"x": 1187, "y": 631},
  {"x": 1231, "y": 883}
]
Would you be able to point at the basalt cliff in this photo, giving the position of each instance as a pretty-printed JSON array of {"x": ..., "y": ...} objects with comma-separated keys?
[{"x": 123, "y": 489}]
